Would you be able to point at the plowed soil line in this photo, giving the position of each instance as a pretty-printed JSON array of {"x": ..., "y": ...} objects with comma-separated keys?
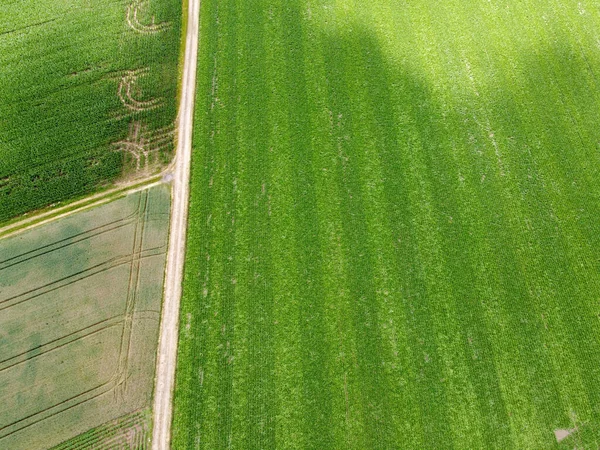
[{"x": 167, "y": 350}]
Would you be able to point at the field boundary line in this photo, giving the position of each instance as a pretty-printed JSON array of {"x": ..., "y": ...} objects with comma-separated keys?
[
  {"x": 51, "y": 214},
  {"x": 169, "y": 326}
]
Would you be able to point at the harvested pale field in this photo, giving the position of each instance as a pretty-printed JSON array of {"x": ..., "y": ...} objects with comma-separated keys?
[{"x": 80, "y": 303}]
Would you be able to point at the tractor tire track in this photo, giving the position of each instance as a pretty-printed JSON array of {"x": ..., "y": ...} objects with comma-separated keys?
[
  {"x": 87, "y": 234},
  {"x": 133, "y": 286},
  {"x": 88, "y": 395},
  {"x": 82, "y": 275},
  {"x": 38, "y": 252},
  {"x": 60, "y": 342},
  {"x": 132, "y": 20},
  {"x": 118, "y": 380}
]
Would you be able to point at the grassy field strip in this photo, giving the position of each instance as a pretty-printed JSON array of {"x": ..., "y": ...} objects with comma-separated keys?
[
  {"x": 77, "y": 206},
  {"x": 174, "y": 273},
  {"x": 464, "y": 385},
  {"x": 546, "y": 296}
]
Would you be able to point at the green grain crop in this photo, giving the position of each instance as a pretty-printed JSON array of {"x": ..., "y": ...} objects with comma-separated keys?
[
  {"x": 62, "y": 122},
  {"x": 394, "y": 227}
]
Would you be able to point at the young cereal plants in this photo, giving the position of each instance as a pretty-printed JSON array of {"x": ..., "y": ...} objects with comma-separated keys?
[
  {"x": 393, "y": 227},
  {"x": 73, "y": 79}
]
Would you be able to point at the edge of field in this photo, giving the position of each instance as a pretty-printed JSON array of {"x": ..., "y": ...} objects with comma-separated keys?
[
  {"x": 110, "y": 190},
  {"x": 182, "y": 46},
  {"x": 169, "y": 334},
  {"x": 66, "y": 208}
]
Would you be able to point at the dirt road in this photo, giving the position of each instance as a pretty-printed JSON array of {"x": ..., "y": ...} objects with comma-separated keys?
[{"x": 167, "y": 349}]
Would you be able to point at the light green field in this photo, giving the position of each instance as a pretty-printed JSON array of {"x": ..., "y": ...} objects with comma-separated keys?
[
  {"x": 394, "y": 227},
  {"x": 88, "y": 95},
  {"x": 80, "y": 302}
]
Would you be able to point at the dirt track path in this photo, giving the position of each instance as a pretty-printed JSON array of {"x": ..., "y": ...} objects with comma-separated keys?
[
  {"x": 52, "y": 214},
  {"x": 167, "y": 348}
]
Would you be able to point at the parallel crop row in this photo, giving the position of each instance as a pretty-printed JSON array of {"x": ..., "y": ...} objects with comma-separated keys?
[
  {"x": 130, "y": 432},
  {"x": 63, "y": 102},
  {"x": 393, "y": 237}
]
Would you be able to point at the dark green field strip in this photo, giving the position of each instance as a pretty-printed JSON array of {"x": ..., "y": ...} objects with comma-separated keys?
[
  {"x": 393, "y": 236},
  {"x": 60, "y": 113}
]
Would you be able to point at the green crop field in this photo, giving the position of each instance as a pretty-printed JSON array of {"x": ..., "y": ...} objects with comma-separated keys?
[
  {"x": 80, "y": 303},
  {"x": 394, "y": 235},
  {"x": 88, "y": 95}
]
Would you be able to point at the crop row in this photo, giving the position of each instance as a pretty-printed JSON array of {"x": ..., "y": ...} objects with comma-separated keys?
[
  {"x": 393, "y": 227},
  {"x": 60, "y": 69},
  {"x": 115, "y": 434}
]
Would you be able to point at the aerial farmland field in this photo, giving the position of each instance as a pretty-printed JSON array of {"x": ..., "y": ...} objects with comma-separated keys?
[
  {"x": 80, "y": 305},
  {"x": 393, "y": 230},
  {"x": 88, "y": 96}
]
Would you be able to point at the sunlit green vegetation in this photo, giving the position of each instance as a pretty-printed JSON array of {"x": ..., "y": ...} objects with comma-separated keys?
[
  {"x": 394, "y": 227},
  {"x": 61, "y": 117}
]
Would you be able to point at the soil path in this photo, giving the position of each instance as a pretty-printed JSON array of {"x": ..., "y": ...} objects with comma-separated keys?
[
  {"x": 51, "y": 214},
  {"x": 167, "y": 349}
]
